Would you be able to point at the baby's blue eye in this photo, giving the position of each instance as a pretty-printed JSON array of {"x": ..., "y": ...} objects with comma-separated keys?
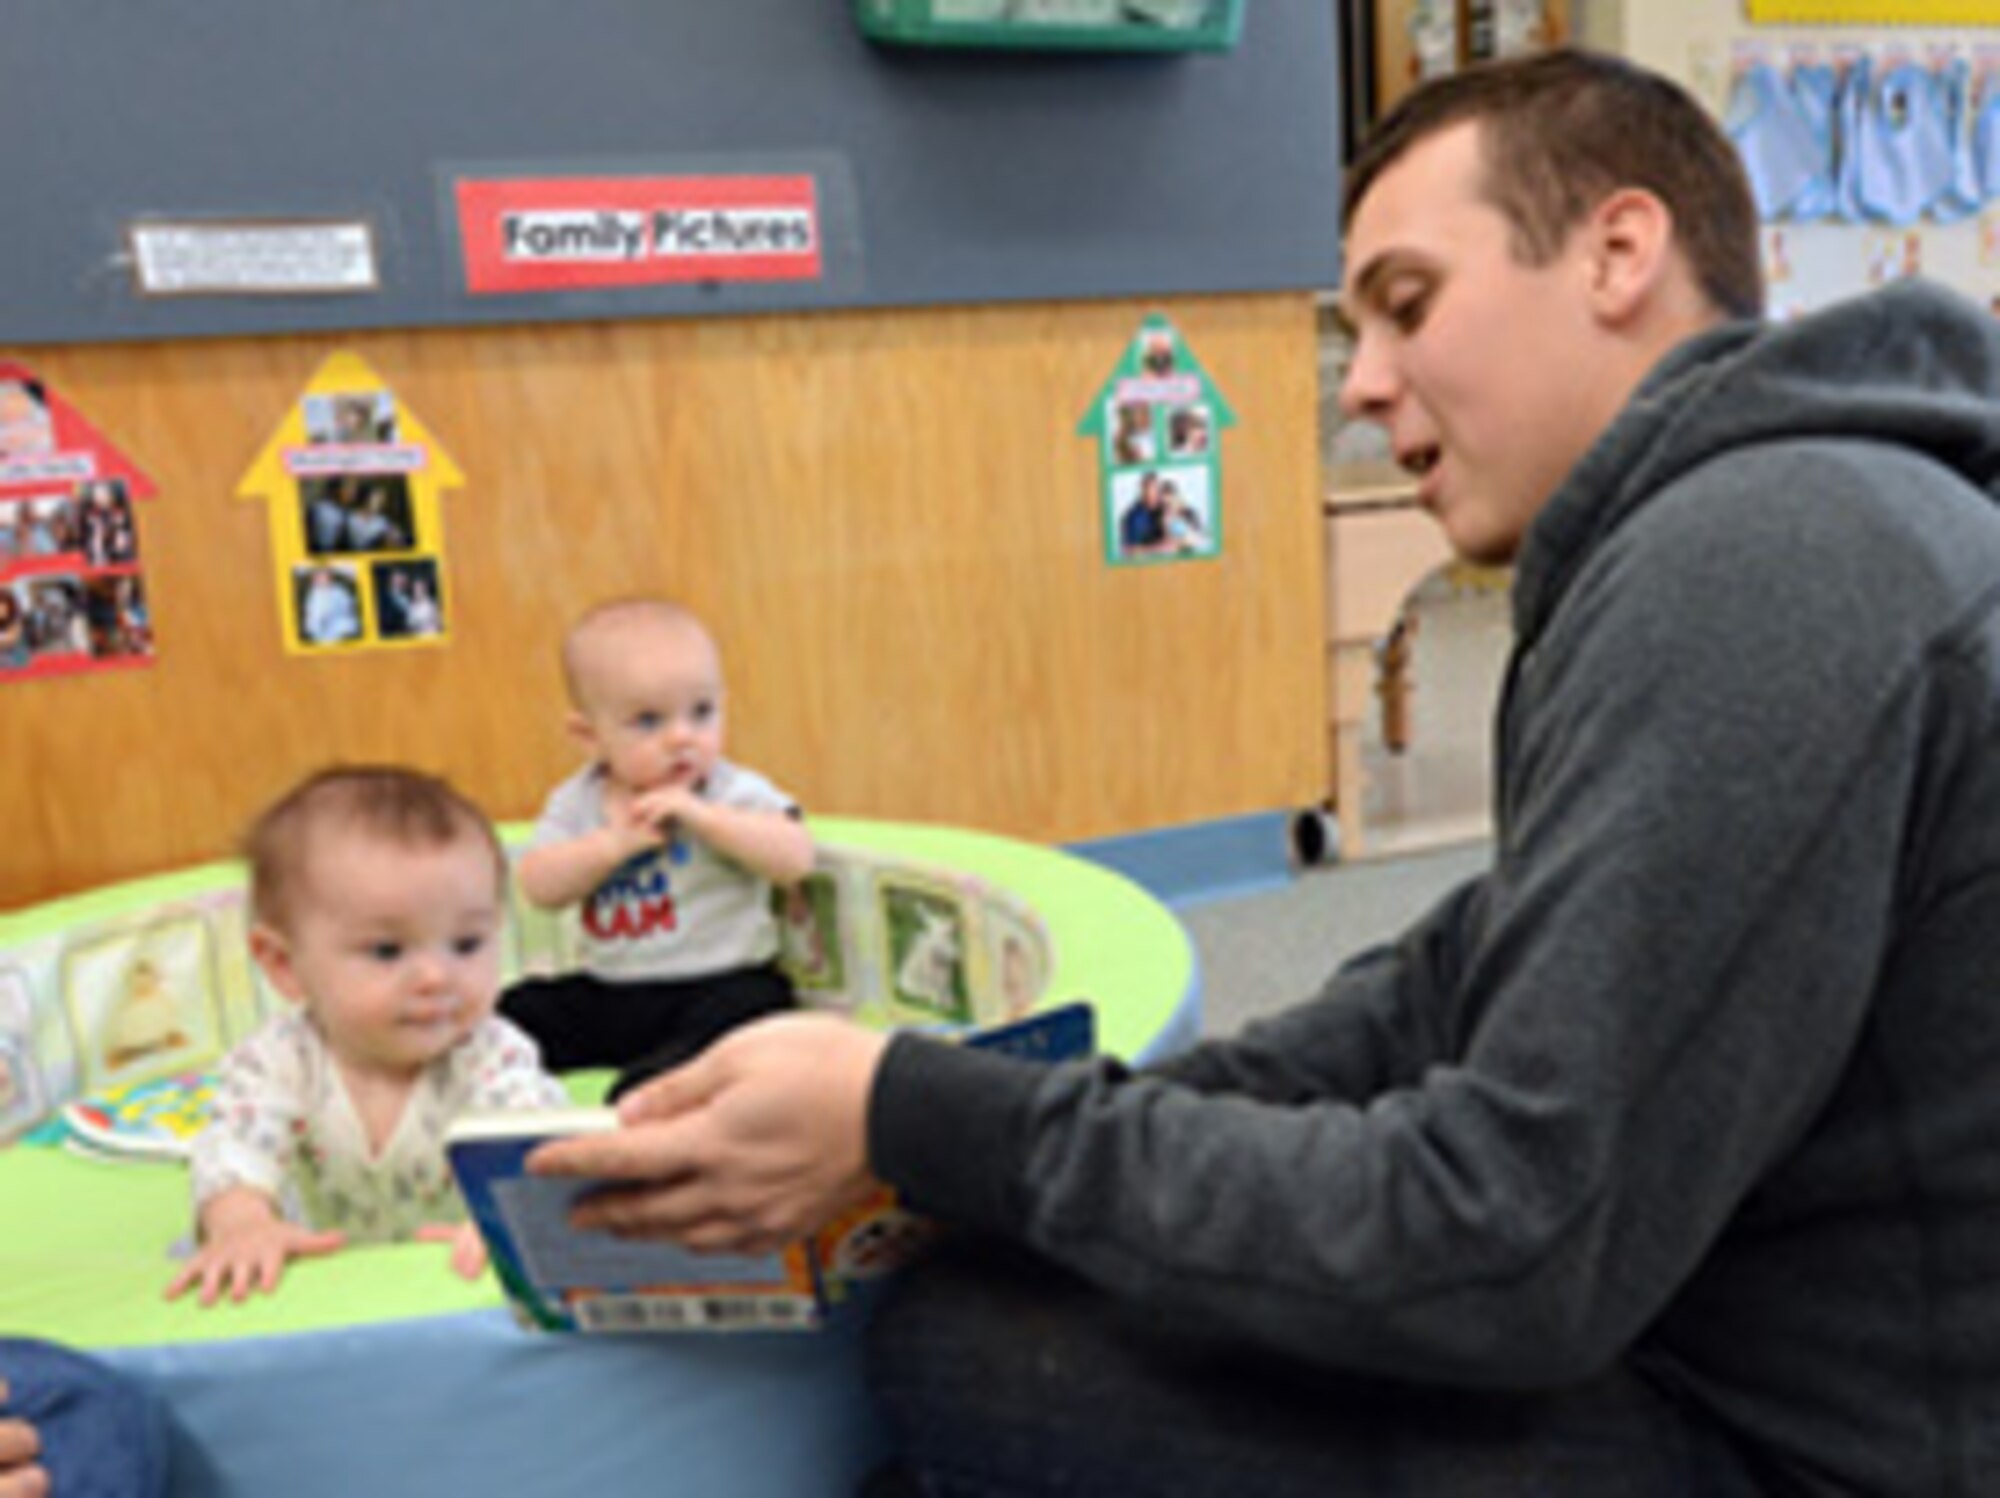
[
  {"x": 703, "y": 712},
  {"x": 647, "y": 722},
  {"x": 386, "y": 951},
  {"x": 466, "y": 946}
]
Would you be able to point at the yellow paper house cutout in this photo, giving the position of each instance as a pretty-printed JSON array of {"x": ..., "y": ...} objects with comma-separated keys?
[{"x": 352, "y": 482}]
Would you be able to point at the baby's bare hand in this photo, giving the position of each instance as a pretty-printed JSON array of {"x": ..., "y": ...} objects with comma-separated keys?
[
  {"x": 255, "y": 1260},
  {"x": 468, "y": 1249},
  {"x": 635, "y": 825},
  {"x": 665, "y": 808}
]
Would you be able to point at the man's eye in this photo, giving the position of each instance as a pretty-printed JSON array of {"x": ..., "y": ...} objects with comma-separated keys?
[{"x": 1406, "y": 313}]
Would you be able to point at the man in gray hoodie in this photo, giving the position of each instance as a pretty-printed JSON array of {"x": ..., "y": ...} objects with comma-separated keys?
[{"x": 1663, "y": 1159}]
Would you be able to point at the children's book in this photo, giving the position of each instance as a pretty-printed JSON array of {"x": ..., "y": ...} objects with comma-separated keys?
[
  {"x": 151, "y": 1120},
  {"x": 560, "y": 1279}
]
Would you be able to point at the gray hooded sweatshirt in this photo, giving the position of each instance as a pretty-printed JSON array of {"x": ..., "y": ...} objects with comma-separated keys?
[{"x": 1704, "y": 1075}]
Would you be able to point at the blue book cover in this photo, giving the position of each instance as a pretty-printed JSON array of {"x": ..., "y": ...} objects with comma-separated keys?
[{"x": 559, "y": 1279}]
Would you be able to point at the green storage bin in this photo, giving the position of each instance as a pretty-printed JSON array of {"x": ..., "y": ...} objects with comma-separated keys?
[{"x": 1089, "y": 25}]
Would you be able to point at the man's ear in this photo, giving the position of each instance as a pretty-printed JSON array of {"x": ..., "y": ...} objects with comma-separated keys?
[
  {"x": 274, "y": 955},
  {"x": 1632, "y": 252}
]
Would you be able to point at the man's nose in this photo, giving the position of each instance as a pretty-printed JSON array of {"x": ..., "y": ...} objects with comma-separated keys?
[{"x": 1369, "y": 387}]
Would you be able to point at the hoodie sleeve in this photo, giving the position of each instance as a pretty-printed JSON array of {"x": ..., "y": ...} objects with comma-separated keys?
[{"x": 1705, "y": 763}]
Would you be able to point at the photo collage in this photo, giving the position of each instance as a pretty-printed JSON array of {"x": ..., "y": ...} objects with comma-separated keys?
[
  {"x": 1160, "y": 431},
  {"x": 72, "y": 597},
  {"x": 368, "y": 574}
]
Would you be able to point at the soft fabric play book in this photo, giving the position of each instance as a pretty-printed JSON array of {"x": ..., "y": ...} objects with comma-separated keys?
[
  {"x": 151, "y": 1120},
  {"x": 559, "y": 1279}
]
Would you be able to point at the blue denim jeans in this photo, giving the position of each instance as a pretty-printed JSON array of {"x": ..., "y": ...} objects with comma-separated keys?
[
  {"x": 997, "y": 1374},
  {"x": 104, "y": 1435}
]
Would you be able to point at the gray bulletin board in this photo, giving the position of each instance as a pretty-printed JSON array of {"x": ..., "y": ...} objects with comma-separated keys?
[{"x": 945, "y": 176}]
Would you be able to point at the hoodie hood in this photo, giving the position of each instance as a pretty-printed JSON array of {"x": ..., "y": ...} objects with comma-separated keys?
[{"x": 1913, "y": 366}]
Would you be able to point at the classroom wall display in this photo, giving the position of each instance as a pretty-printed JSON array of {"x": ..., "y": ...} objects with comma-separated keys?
[
  {"x": 1158, "y": 422},
  {"x": 890, "y": 510},
  {"x": 1874, "y": 12},
  {"x": 943, "y": 176},
  {"x": 570, "y": 233},
  {"x": 252, "y": 258},
  {"x": 1390, "y": 46},
  {"x": 1892, "y": 135},
  {"x": 72, "y": 597},
  {"x": 351, "y": 483},
  {"x": 1097, "y": 25}
]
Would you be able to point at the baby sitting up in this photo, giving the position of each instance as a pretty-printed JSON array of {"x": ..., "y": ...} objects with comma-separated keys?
[{"x": 377, "y": 897}]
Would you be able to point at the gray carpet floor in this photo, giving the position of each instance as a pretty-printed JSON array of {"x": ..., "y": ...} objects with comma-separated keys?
[
  {"x": 1426, "y": 814},
  {"x": 1265, "y": 951}
]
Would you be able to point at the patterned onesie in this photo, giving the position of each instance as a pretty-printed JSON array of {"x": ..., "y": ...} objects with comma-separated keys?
[{"x": 284, "y": 1125}]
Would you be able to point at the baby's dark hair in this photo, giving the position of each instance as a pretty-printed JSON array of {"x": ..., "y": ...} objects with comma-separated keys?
[{"x": 406, "y": 807}]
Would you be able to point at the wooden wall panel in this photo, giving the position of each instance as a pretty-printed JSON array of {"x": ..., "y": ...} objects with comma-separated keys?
[{"x": 888, "y": 519}]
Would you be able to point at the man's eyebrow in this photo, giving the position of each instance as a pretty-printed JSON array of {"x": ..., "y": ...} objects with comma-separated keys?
[{"x": 1366, "y": 287}]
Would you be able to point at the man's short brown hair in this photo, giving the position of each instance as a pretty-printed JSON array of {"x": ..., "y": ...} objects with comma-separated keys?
[
  {"x": 400, "y": 806},
  {"x": 1561, "y": 131}
]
